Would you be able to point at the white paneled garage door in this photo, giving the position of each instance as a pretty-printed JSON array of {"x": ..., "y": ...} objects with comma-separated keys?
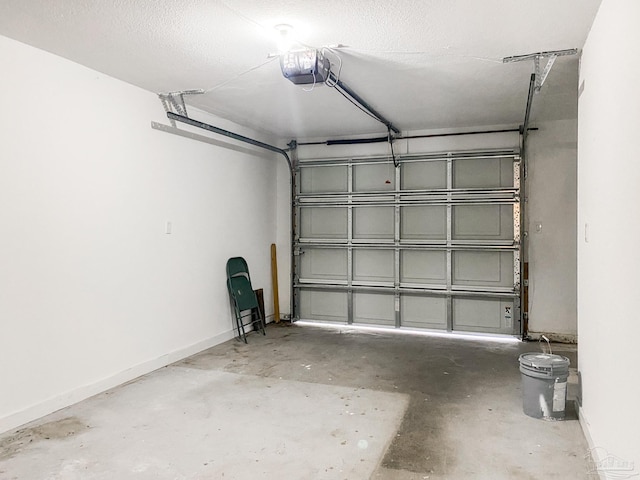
[{"x": 431, "y": 244}]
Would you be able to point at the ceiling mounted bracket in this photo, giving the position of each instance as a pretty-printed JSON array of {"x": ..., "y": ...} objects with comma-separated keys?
[
  {"x": 173, "y": 102},
  {"x": 541, "y": 74}
]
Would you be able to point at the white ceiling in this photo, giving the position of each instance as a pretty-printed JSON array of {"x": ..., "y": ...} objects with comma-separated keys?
[{"x": 421, "y": 63}]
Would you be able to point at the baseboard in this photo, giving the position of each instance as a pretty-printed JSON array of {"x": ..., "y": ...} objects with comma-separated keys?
[
  {"x": 593, "y": 452},
  {"x": 83, "y": 392},
  {"x": 554, "y": 337}
]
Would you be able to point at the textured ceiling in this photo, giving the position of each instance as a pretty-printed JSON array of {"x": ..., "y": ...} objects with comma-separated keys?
[{"x": 421, "y": 63}]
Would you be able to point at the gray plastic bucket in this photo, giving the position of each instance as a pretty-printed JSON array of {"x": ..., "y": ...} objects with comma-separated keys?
[{"x": 544, "y": 385}]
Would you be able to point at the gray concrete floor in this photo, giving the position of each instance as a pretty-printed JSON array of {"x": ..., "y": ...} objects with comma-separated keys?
[{"x": 311, "y": 403}]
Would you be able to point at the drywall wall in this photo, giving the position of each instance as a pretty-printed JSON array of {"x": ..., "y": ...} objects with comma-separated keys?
[
  {"x": 608, "y": 229},
  {"x": 93, "y": 292},
  {"x": 550, "y": 219}
]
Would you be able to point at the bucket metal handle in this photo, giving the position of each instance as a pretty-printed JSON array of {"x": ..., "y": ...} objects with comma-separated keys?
[{"x": 544, "y": 337}]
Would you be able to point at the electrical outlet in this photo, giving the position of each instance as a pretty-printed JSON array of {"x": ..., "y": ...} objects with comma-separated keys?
[{"x": 586, "y": 233}]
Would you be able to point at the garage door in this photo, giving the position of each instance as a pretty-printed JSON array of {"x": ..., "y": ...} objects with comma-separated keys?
[{"x": 431, "y": 244}]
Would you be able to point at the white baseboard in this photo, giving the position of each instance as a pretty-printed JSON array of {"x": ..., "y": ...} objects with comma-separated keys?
[
  {"x": 593, "y": 451},
  {"x": 83, "y": 392}
]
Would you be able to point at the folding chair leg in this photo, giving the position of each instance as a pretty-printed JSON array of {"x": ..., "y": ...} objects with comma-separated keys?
[
  {"x": 244, "y": 335},
  {"x": 240, "y": 326}
]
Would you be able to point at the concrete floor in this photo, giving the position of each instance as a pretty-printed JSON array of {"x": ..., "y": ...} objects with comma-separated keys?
[{"x": 311, "y": 403}]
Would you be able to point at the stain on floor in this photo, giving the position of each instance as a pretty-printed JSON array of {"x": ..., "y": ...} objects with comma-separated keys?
[{"x": 29, "y": 436}]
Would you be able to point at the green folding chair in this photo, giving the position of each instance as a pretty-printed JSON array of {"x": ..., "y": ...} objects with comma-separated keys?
[{"x": 244, "y": 299}]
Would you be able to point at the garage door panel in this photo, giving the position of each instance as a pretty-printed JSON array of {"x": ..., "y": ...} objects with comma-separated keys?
[
  {"x": 483, "y": 173},
  {"x": 426, "y": 267},
  {"x": 374, "y": 177},
  {"x": 373, "y": 266},
  {"x": 482, "y": 315},
  {"x": 323, "y": 222},
  {"x": 374, "y": 309},
  {"x": 373, "y": 223},
  {"x": 427, "y": 222},
  {"x": 328, "y": 264},
  {"x": 424, "y": 311},
  {"x": 323, "y": 179},
  {"x": 323, "y": 305},
  {"x": 491, "y": 269},
  {"x": 482, "y": 222},
  {"x": 424, "y": 175}
]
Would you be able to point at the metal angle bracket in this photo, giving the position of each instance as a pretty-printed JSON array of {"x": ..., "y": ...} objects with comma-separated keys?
[
  {"x": 174, "y": 102},
  {"x": 541, "y": 74},
  {"x": 541, "y": 77}
]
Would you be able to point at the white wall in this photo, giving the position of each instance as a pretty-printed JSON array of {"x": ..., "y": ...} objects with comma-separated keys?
[
  {"x": 552, "y": 257},
  {"x": 609, "y": 258},
  {"x": 92, "y": 290}
]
